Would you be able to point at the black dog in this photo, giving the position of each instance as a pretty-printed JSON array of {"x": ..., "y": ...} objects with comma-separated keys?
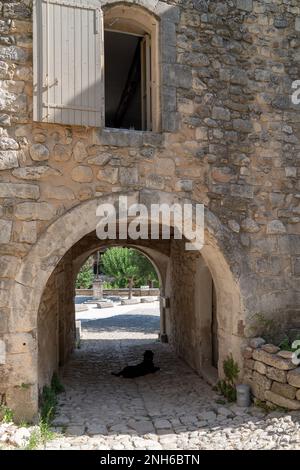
[{"x": 144, "y": 368}]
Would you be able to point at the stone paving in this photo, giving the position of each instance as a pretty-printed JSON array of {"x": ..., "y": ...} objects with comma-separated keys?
[{"x": 172, "y": 409}]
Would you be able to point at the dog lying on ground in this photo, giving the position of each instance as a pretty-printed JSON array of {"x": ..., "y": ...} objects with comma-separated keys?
[{"x": 144, "y": 368}]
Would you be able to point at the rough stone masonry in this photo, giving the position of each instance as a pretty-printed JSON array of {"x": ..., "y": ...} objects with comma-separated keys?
[{"x": 229, "y": 139}]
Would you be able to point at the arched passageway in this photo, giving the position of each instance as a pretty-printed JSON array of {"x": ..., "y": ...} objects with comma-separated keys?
[{"x": 201, "y": 310}]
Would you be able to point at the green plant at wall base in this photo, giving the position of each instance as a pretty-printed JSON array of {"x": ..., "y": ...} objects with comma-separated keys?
[
  {"x": 48, "y": 405},
  {"x": 49, "y": 402},
  {"x": 285, "y": 345},
  {"x": 49, "y": 399},
  {"x": 227, "y": 386},
  {"x": 227, "y": 390},
  {"x": 34, "y": 440},
  {"x": 231, "y": 370},
  {"x": 40, "y": 436},
  {"x": 56, "y": 384},
  {"x": 6, "y": 414}
]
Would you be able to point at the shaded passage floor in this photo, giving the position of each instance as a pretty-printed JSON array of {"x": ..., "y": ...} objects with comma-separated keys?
[{"x": 172, "y": 409}]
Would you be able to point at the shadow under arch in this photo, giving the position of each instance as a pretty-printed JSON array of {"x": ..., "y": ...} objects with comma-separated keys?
[{"x": 220, "y": 252}]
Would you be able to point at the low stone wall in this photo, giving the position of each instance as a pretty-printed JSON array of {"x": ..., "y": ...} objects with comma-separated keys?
[
  {"x": 121, "y": 292},
  {"x": 271, "y": 374}
]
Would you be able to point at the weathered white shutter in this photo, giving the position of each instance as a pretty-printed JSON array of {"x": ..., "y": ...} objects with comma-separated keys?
[{"x": 68, "y": 62}]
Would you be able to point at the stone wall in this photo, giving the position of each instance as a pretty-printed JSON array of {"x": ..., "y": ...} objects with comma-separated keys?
[
  {"x": 56, "y": 321},
  {"x": 190, "y": 314},
  {"x": 121, "y": 292},
  {"x": 272, "y": 375},
  {"x": 230, "y": 140}
]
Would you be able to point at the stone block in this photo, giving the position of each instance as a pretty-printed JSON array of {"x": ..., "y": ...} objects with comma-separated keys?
[
  {"x": 129, "y": 176},
  {"x": 39, "y": 152},
  {"x": 273, "y": 360},
  {"x": 184, "y": 185},
  {"x": 6, "y": 143},
  {"x": 79, "y": 152},
  {"x": 35, "y": 211},
  {"x": 106, "y": 304},
  {"x": 19, "y": 190},
  {"x": 276, "y": 374},
  {"x": 241, "y": 190},
  {"x": 270, "y": 348},
  {"x": 247, "y": 353},
  {"x": 9, "y": 159},
  {"x": 275, "y": 227},
  {"x": 296, "y": 266},
  {"x": 261, "y": 380},
  {"x": 245, "y": 5},
  {"x": 285, "y": 354},
  {"x": 8, "y": 266},
  {"x": 282, "y": 401},
  {"x": 61, "y": 193},
  {"x": 108, "y": 174},
  {"x": 260, "y": 367},
  {"x": 177, "y": 75},
  {"x": 19, "y": 343},
  {"x": 293, "y": 377},
  {"x": 130, "y": 301},
  {"x": 249, "y": 225},
  {"x": 249, "y": 364},
  {"x": 234, "y": 226},
  {"x": 35, "y": 173},
  {"x": 154, "y": 181},
  {"x": 61, "y": 153},
  {"x": 28, "y": 233},
  {"x": 5, "y": 230},
  {"x": 284, "y": 390},
  {"x": 220, "y": 113},
  {"x": 256, "y": 342},
  {"x": 257, "y": 390},
  {"x": 99, "y": 160},
  {"x": 242, "y": 125},
  {"x": 82, "y": 174}
]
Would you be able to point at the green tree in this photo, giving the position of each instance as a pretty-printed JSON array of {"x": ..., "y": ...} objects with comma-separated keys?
[
  {"x": 128, "y": 267},
  {"x": 118, "y": 263},
  {"x": 85, "y": 276},
  {"x": 146, "y": 271}
]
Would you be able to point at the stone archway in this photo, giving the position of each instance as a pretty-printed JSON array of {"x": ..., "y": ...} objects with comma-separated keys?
[{"x": 61, "y": 236}]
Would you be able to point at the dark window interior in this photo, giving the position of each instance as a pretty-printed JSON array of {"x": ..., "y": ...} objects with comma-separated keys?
[{"x": 122, "y": 80}]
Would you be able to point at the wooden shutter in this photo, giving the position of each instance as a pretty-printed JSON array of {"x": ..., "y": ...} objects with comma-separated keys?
[
  {"x": 68, "y": 62},
  {"x": 146, "y": 83}
]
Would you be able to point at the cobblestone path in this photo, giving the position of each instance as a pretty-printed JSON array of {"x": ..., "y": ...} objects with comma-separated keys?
[{"x": 172, "y": 409}]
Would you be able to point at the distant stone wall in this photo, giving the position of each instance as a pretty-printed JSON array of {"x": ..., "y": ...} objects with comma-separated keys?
[
  {"x": 122, "y": 292},
  {"x": 272, "y": 376}
]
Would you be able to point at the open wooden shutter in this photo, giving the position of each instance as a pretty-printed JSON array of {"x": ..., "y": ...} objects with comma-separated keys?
[
  {"x": 68, "y": 62},
  {"x": 146, "y": 83}
]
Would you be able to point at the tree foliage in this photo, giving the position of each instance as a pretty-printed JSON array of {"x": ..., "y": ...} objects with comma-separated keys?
[
  {"x": 85, "y": 276},
  {"x": 128, "y": 267}
]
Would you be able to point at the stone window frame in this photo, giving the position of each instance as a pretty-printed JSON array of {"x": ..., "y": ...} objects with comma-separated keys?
[
  {"x": 141, "y": 19},
  {"x": 165, "y": 108}
]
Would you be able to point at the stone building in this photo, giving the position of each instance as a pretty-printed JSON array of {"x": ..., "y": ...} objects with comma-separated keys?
[{"x": 203, "y": 115}]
